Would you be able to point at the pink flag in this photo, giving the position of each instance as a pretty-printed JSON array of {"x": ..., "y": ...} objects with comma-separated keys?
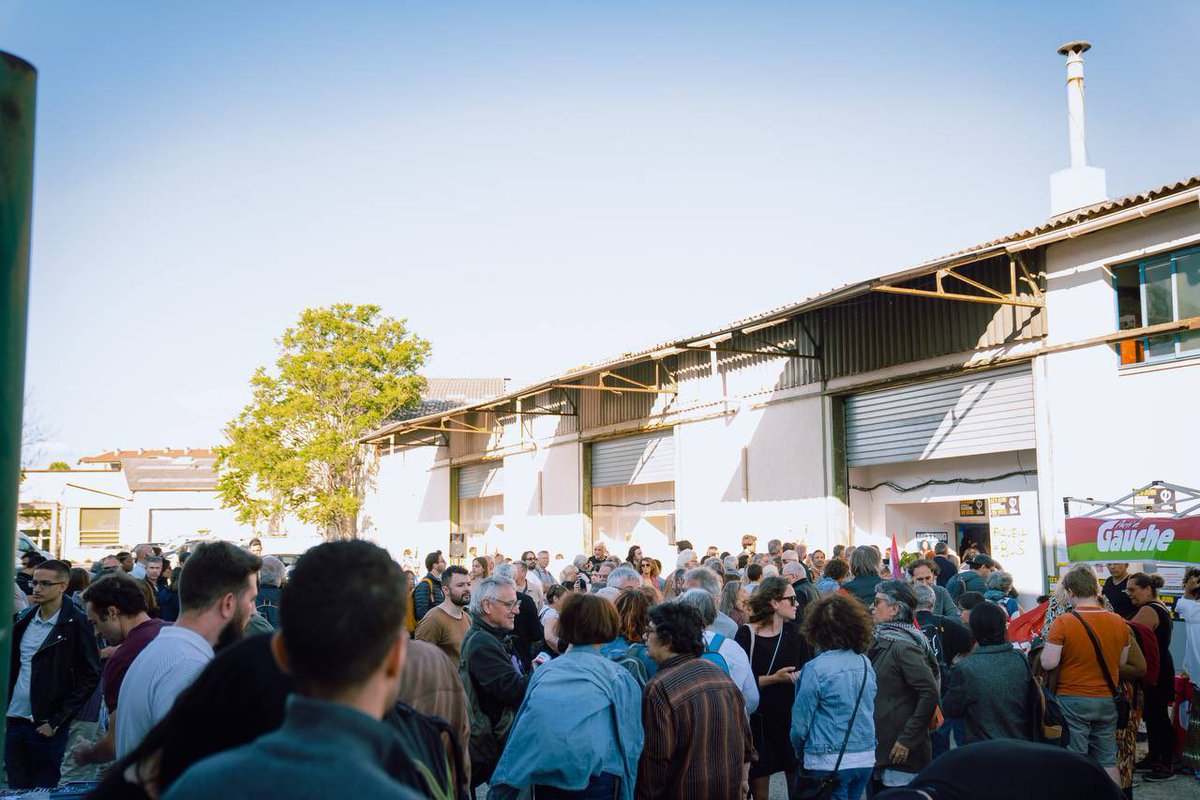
[{"x": 897, "y": 573}]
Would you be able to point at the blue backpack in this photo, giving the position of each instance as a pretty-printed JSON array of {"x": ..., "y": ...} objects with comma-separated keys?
[{"x": 712, "y": 653}]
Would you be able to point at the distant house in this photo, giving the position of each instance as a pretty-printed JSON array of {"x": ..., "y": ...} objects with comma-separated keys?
[{"x": 121, "y": 498}]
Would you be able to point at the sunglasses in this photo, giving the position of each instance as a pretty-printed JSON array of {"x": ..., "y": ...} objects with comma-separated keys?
[{"x": 790, "y": 599}]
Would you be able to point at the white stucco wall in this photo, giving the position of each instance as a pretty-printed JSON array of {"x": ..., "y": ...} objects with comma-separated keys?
[
  {"x": 1110, "y": 430},
  {"x": 409, "y": 506}
]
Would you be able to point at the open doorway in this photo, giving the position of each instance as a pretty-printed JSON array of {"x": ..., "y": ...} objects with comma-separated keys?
[{"x": 974, "y": 534}]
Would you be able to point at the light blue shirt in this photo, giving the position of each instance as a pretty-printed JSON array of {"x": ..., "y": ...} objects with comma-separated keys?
[
  {"x": 159, "y": 674},
  {"x": 35, "y": 635}
]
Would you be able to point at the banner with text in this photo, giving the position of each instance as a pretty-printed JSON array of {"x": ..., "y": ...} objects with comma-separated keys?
[{"x": 1133, "y": 539}]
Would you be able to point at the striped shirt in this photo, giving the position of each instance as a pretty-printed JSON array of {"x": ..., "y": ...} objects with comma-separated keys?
[{"x": 697, "y": 735}]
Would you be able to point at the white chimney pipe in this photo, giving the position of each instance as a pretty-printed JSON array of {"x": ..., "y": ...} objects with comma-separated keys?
[
  {"x": 1075, "y": 117},
  {"x": 1079, "y": 185}
]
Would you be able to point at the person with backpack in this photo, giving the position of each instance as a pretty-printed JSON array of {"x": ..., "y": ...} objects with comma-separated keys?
[
  {"x": 833, "y": 718},
  {"x": 1143, "y": 591},
  {"x": 989, "y": 687},
  {"x": 776, "y": 651},
  {"x": 428, "y": 591},
  {"x": 603, "y": 728},
  {"x": 270, "y": 579},
  {"x": 492, "y": 674},
  {"x": 628, "y": 647},
  {"x": 949, "y": 639},
  {"x": 723, "y": 651},
  {"x": 1000, "y": 591}
]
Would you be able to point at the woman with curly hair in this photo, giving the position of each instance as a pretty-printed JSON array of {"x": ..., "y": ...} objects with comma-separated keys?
[
  {"x": 777, "y": 651},
  {"x": 649, "y": 568},
  {"x": 839, "y": 628}
]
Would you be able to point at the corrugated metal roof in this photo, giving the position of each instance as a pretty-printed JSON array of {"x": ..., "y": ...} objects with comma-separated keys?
[
  {"x": 111, "y": 456},
  {"x": 164, "y": 474},
  {"x": 447, "y": 394},
  {"x": 846, "y": 291}
]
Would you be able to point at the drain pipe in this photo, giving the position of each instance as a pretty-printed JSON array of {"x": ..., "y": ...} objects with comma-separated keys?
[{"x": 18, "y": 83}]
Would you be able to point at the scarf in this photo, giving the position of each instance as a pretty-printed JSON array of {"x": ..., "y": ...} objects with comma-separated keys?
[{"x": 908, "y": 632}]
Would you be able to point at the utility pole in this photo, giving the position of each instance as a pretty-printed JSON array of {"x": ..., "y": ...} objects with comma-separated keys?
[{"x": 18, "y": 89}]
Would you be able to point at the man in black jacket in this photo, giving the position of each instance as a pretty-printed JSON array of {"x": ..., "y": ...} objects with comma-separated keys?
[
  {"x": 55, "y": 667},
  {"x": 492, "y": 674},
  {"x": 428, "y": 591}
]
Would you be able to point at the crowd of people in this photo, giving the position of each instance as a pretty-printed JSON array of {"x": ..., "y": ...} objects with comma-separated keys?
[{"x": 615, "y": 678}]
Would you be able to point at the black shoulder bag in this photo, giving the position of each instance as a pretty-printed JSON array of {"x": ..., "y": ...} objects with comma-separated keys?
[
  {"x": 812, "y": 787},
  {"x": 1119, "y": 700}
]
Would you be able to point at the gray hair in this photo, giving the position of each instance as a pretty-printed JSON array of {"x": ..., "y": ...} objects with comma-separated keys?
[
  {"x": 715, "y": 565},
  {"x": 684, "y": 557},
  {"x": 580, "y": 562},
  {"x": 609, "y": 593},
  {"x": 489, "y": 589},
  {"x": 770, "y": 571},
  {"x": 1001, "y": 581},
  {"x": 926, "y": 596},
  {"x": 865, "y": 561},
  {"x": 569, "y": 572},
  {"x": 701, "y": 601},
  {"x": 622, "y": 574},
  {"x": 792, "y": 568},
  {"x": 708, "y": 580},
  {"x": 899, "y": 594},
  {"x": 272, "y": 571},
  {"x": 731, "y": 563},
  {"x": 506, "y": 571}
]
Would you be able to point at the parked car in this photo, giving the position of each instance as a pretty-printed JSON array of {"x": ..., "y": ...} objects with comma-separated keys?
[{"x": 26, "y": 545}]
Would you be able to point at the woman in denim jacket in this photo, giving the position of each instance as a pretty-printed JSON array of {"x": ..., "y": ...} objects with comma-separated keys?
[{"x": 837, "y": 626}]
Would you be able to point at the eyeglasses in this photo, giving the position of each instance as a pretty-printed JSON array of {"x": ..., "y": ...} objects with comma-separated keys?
[
  {"x": 509, "y": 604},
  {"x": 878, "y": 601},
  {"x": 45, "y": 584},
  {"x": 791, "y": 599}
]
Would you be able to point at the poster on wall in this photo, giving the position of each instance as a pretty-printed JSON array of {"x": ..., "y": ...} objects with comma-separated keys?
[
  {"x": 973, "y": 508},
  {"x": 1134, "y": 539},
  {"x": 1009, "y": 506}
]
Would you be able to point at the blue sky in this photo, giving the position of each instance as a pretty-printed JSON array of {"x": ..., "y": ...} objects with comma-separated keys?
[{"x": 532, "y": 185}]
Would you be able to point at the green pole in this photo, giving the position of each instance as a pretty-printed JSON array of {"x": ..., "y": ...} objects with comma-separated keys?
[{"x": 18, "y": 85}]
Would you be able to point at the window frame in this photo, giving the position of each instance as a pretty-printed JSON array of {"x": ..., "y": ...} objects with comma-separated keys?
[
  {"x": 90, "y": 537},
  {"x": 1141, "y": 264}
]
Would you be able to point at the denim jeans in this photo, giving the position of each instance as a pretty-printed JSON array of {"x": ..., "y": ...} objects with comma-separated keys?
[
  {"x": 852, "y": 782},
  {"x": 601, "y": 787},
  {"x": 1092, "y": 722},
  {"x": 31, "y": 760}
]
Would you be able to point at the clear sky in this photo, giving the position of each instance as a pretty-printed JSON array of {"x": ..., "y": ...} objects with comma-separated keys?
[{"x": 533, "y": 186}]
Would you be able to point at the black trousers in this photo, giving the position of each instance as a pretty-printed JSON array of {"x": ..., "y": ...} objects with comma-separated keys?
[
  {"x": 1160, "y": 734},
  {"x": 31, "y": 760}
]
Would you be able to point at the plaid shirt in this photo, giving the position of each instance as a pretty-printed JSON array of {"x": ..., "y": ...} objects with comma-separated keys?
[{"x": 697, "y": 735}]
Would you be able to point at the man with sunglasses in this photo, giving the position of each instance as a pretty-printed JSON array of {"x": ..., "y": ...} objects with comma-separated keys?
[{"x": 55, "y": 668}]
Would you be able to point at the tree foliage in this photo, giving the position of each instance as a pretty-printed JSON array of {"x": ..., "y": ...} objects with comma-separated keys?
[
  {"x": 59, "y": 466},
  {"x": 341, "y": 372}
]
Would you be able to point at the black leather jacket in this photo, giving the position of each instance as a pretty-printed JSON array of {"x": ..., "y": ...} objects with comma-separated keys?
[{"x": 66, "y": 668}]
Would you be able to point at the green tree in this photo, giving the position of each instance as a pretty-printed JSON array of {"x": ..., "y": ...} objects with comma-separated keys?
[
  {"x": 59, "y": 466},
  {"x": 341, "y": 372}
]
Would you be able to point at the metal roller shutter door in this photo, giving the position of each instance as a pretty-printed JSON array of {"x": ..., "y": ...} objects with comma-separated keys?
[
  {"x": 648, "y": 458},
  {"x": 990, "y": 412},
  {"x": 481, "y": 480}
]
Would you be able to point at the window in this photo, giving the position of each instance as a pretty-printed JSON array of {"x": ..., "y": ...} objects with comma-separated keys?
[
  {"x": 99, "y": 527},
  {"x": 1157, "y": 290}
]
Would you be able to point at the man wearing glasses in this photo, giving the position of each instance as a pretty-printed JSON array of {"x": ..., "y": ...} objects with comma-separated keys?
[{"x": 54, "y": 670}]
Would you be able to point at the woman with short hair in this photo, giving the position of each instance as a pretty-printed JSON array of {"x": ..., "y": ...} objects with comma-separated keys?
[
  {"x": 828, "y": 690},
  {"x": 603, "y": 724},
  {"x": 906, "y": 673}
]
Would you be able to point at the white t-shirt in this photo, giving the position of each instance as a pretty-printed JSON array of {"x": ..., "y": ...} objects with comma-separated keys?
[
  {"x": 159, "y": 674},
  {"x": 739, "y": 668},
  {"x": 1189, "y": 611}
]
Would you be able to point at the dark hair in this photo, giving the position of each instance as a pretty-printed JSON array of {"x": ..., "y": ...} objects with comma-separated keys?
[
  {"x": 214, "y": 570},
  {"x": 753, "y": 572},
  {"x": 450, "y": 572},
  {"x": 836, "y": 569},
  {"x": 941, "y": 548},
  {"x": 633, "y": 548},
  {"x": 679, "y": 628},
  {"x": 743, "y": 560},
  {"x": 1144, "y": 581},
  {"x": 969, "y": 600},
  {"x": 633, "y": 611},
  {"x": 839, "y": 550},
  {"x": 555, "y": 591},
  {"x": 123, "y": 556},
  {"x": 928, "y": 563},
  {"x": 772, "y": 588},
  {"x": 60, "y": 568},
  {"x": 254, "y": 541},
  {"x": 78, "y": 581},
  {"x": 207, "y": 719},
  {"x": 32, "y": 558},
  {"x": 118, "y": 590},
  {"x": 587, "y": 619},
  {"x": 347, "y": 598},
  {"x": 150, "y": 592},
  {"x": 683, "y": 544},
  {"x": 838, "y": 622},
  {"x": 432, "y": 559},
  {"x": 989, "y": 624},
  {"x": 484, "y": 564}
]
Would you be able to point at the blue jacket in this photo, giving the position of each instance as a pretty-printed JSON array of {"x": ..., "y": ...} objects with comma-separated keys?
[
  {"x": 582, "y": 698},
  {"x": 825, "y": 697}
]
